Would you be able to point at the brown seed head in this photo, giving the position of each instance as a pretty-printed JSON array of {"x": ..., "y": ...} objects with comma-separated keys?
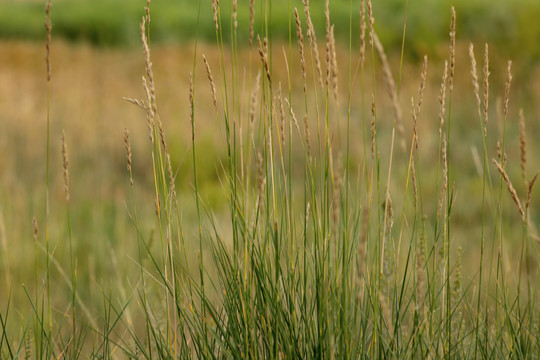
[
  {"x": 474, "y": 76},
  {"x": 66, "y": 164},
  {"x": 486, "y": 87},
  {"x": 523, "y": 146},
  {"x": 511, "y": 188},
  {"x": 264, "y": 58},
  {"x": 452, "y": 49},
  {"x": 251, "y": 20},
  {"x": 211, "y": 80},
  {"x": 507, "y": 87},
  {"x": 442, "y": 97},
  {"x": 48, "y": 30},
  {"x": 313, "y": 41},
  {"x": 362, "y": 31}
]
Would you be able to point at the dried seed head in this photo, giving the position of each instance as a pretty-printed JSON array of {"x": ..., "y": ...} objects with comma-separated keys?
[
  {"x": 66, "y": 164},
  {"x": 251, "y": 20},
  {"x": 523, "y": 146},
  {"x": 416, "y": 112},
  {"x": 300, "y": 45},
  {"x": 215, "y": 9},
  {"x": 362, "y": 31},
  {"x": 279, "y": 101},
  {"x": 334, "y": 66},
  {"x": 442, "y": 97},
  {"x": 371, "y": 22},
  {"x": 293, "y": 116},
  {"x": 390, "y": 88},
  {"x": 48, "y": 30},
  {"x": 253, "y": 106},
  {"x": 474, "y": 76},
  {"x": 529, "y": 191},
  {"x": 147, "y": 11},
  {"x": 328, "y": 44},
  {"x": 211, "y": 80},
  {"x": 264, "y": 57},
  {"x": 191, "y": 101},
  {"x": 36, "y": 229},
  {"x": 235, "y": 15},
  {"x": 507, "y": 87},
  {"x": 373, "y": 128},
  {"x": 511, "y": 188},
  {"x": 486, "y": 87},
  {"x": 415, "y": 188},
  {"x": 127, "y": 146},
  {"x": 313, "y": 41},
  {"x": 308, "y": 142},
  {"x": 445, "y": 178},
  {"x": 452, "y": 49}
]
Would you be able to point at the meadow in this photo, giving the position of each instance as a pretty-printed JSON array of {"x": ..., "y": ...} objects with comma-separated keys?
[{"x": 262, "y": 194}]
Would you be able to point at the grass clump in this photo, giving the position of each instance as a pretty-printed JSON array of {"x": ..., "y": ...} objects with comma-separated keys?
[{"x": 341, "y": 234}]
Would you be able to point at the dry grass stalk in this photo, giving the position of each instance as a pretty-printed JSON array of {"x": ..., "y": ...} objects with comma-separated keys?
[
  {"x": 373, "y": 128},
  {"x": 442, "y": 97},
  {"x": 362, "y": 242},
  {"x": 251, "y": 20},
  {"x": 65, "y": 165},
  {"x": 523, "y": 147},
  {"x": 313, "y": 41},
  {"x": 387, "y": 316},
  {"x": 511, "y": 189},
  {"x": 362, "y": 32},
  {"x": 264, "y": 58},
  {"x": 420, "y": 282},
  {"x": 445, "y": 178},
  {"x": 529, "y": 191},
  {"x": 390, "y": 87},
  {"x": 336, "y": 193},
  {"x": 127, "y": 146},
  {"x": 300, "y": 46},
  {"x": 486, "y": 87},
  {"x": 215, "y": 9},
  {"x": 452, "y": 49},
  {"x": 507, "y": 88},
  {"x": 48, "y": 30},
  {"x": 211, "y": 80},
  {"x": 476, "y": 86},
  {"x": 261, "y": 181}
]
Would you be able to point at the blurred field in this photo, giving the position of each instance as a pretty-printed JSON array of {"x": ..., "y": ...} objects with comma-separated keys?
[
  {"x": 96, "y": 61},
  {"x": 87, "y": 90},
  {"x": 511, "y": 26}
]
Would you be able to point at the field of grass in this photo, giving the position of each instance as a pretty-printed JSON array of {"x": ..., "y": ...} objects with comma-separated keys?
[{"x": 263, "y": 208}]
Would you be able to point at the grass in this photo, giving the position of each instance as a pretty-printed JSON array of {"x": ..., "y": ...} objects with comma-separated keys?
[{"x": 341, "y": 227}]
